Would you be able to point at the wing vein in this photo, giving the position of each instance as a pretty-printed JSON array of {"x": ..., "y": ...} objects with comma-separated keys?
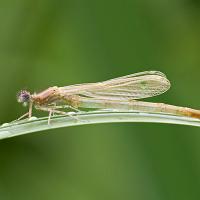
[{"x": 133, "y": 86}]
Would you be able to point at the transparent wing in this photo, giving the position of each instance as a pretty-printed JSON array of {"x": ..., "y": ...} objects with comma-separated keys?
[{"x": 133, "y": 86}]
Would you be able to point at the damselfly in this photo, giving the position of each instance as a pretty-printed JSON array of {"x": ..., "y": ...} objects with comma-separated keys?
[{"x": 119, "y": 94}]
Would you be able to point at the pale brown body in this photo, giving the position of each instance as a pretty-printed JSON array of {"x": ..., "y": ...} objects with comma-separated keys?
[
  {"x": 51, "y": 95},
  {"x": 119, "y": 93}
]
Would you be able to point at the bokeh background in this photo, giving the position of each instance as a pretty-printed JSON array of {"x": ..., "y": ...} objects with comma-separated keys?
[{"x": 46, "y": 43}]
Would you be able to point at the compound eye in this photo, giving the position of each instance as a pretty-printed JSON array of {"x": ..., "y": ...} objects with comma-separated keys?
[{"x": 23, "y": 96}]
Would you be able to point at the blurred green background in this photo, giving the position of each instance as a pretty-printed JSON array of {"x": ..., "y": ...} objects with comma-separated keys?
[{"x": 46, "y": 43}]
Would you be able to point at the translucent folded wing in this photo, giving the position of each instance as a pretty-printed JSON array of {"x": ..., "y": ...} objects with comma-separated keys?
[{"x": 133, "y": 86}]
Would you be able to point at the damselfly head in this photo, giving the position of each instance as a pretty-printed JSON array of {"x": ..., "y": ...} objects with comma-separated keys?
[{"x": 23, "y": 97}]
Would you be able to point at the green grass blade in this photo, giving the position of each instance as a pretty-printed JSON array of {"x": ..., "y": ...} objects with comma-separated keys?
[{"x": 93, "y": 117}]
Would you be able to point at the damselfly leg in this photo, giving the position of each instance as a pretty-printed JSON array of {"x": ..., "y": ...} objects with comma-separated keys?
[{"x": 52, "y": 110}]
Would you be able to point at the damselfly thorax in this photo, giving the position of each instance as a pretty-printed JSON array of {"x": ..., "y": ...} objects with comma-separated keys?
[
  {"x": 54, "y": 96},
  {"x": 120, "y": 93}
]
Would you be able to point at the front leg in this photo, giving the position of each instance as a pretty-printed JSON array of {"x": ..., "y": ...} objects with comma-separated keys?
[
  {"x": 21, "y": 117},
  {"x": 30, "y": 109},
  {"x": 29, "y": 113}
]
